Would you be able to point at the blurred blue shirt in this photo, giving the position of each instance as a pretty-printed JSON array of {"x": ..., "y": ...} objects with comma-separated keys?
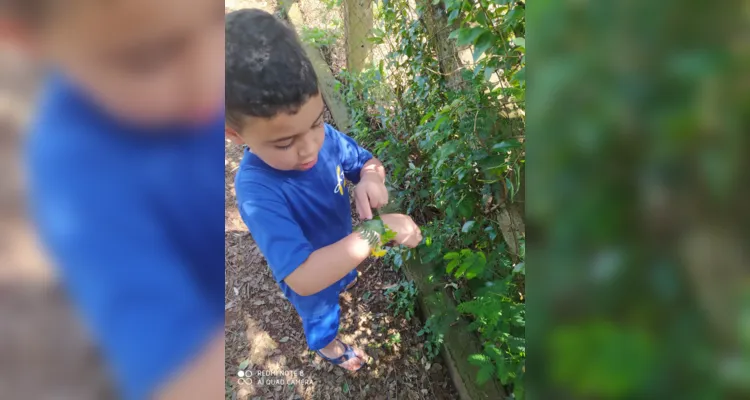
[{"x": 134, "y": 220}]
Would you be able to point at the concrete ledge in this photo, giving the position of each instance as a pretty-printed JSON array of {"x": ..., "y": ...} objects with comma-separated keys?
[{"x": 459, "y": 343}]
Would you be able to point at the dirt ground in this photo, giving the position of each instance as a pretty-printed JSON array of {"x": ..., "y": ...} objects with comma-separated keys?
[{"x": 264, "y": 334}]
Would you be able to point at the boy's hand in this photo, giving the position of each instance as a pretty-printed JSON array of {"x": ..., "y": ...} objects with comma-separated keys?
[
  {"x": 370, "y": 193},
  {"x": 407, "y": 232}
]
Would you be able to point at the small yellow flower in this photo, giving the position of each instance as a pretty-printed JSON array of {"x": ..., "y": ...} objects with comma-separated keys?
[{"x": 378, "y": 253}]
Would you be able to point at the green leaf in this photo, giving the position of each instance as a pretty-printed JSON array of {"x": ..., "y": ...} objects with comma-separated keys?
[
  {"x": 484, "y": 42},
  {"x": 475, "y": 270},
  {"x": 244, "y": 364},
  {"x": 519, "y": 76},
  {"x": 510, "y": 187},
  {"x": 463, "y": 268},
  {"x": 448, "y": 149},
  {"x": 478, "y": 68},
  {"x": 481, "y": 18},
  {"x": 481, "y": 258},
  {"x": 345, "y": 387},
  {"x": 479, "y": 360},
  {"x": 450, "y": 256},
  {"x": 493, "y": 351},
  {"x": 440, "y": 120},
  {"x": 467, "y": 226},
  {"x": 398, "y": 260},
  {"x": 366, "y": 296},
  {"x": 453, "y": 15},
  {"x": 469, "y": 35},
  {"x": 451, "y": 265},
  {"x": 426, "y": 117},
  {"x": 465, "y": 209},
  {"x": 484, "y": 374},
  {"x": 520, "y": 42},
  {"x": 431, "y": 255},
  {"x": 502, "y": 372},
  {"x": 488, "y": 71}
]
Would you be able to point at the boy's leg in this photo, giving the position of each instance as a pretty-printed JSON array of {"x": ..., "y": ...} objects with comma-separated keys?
[{"x": 321, "y": 332}]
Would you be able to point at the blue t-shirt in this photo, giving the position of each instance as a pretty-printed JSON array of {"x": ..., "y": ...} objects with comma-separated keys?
[
  {"x": 134, "y": 220},
  {"x": 290, "y": 214}
]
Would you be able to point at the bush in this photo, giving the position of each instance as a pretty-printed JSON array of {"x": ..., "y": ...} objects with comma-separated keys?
[{"x": 455, "y": 155}]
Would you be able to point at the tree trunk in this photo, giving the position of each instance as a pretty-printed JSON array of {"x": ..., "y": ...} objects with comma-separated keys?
[
  {"x": 438, "y": 30},
  {"x": 358, "y": 21}
]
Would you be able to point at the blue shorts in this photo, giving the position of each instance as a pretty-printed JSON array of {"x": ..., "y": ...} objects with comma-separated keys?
[{"x": 320, "y": 312}]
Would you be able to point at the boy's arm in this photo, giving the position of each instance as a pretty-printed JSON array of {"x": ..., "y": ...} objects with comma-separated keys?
[
  {"x": 290, "y": 255},
  {"x": 328, "y": 264},
  {"x": 331, "y": 263},
  {"x": 370, "y": 192},
  {"x": 373, "y": 169},
  {"x": 288, "y": 252},
  {"x": 365, "y": 171},
  {"x": 353, "y": 156}
]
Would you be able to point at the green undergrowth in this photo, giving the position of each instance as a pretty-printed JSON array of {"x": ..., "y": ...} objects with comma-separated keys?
[{"x": 455, "y": 156}]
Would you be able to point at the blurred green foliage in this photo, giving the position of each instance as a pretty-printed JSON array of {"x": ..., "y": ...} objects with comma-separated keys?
[{"x": 637, "y": 200}]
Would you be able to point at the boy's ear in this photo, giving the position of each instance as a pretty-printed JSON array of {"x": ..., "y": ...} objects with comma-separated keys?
[{"x": 233, "y": 135}]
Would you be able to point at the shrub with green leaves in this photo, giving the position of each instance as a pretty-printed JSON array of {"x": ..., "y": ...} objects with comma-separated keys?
[
  {"x": 456, "y": 156},
  {"x": 403, "y": 297},
  {"x": 433, "y": 338},
  {"x": 319, "y": 37}
]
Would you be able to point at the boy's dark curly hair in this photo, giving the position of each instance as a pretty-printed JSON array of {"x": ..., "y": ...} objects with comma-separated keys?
[{"x": 267, "y": 70}]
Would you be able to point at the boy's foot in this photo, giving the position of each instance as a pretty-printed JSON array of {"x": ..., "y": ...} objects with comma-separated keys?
[{"x": 343, "y": 355}]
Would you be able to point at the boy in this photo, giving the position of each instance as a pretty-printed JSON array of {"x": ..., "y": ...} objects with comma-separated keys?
[
  {"x": 290, "y": 186},
  {"x": 125, "y": 171}
]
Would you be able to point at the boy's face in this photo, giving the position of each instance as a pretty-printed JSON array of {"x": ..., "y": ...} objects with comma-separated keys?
[
  {"x": 286, "y": 142},
  {"x": 145, "y": 61}
]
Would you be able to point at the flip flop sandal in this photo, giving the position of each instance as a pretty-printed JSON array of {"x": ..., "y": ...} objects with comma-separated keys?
[
  {"x": 351, "y": 285},
  {"x": 348, "y": 355}
]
